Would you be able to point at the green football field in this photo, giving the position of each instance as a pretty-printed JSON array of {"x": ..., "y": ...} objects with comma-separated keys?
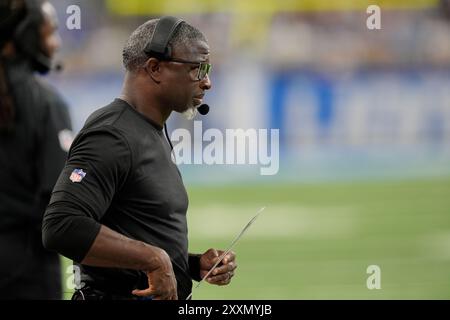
[{"x": 317, "y": 241}]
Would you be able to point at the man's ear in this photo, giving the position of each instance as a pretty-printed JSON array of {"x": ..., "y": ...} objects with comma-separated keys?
[{"x": 153, "y": 69}]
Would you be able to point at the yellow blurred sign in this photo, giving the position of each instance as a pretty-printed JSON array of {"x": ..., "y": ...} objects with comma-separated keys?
[{"x": 160, "y": 7}]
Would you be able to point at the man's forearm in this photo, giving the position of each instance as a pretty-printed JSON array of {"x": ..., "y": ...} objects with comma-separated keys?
[
  {"x": 111, "y": 249},
  {"x": 68, "y": 231}
]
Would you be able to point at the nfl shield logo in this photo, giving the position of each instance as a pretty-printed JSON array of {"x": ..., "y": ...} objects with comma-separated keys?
[{"x": 77, "y": 175}]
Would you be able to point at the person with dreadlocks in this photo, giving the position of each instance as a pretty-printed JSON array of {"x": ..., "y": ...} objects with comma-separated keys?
[{"x": 35, "y": 135}]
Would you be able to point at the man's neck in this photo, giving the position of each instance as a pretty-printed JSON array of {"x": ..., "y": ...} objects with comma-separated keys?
[{"x": 132, "y": 93}]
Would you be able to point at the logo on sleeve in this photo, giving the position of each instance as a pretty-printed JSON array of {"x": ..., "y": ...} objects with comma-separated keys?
[{"x": 77, "y": 175}]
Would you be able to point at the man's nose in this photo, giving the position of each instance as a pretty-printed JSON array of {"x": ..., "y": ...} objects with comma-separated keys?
[{"x": 205, "y": 84}]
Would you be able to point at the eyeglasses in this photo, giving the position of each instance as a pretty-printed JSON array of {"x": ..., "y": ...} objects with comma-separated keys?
[{"x": 203, "y": 68}]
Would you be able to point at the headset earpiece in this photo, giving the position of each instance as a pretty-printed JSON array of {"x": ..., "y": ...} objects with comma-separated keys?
[{"x": 158, "y": 45}]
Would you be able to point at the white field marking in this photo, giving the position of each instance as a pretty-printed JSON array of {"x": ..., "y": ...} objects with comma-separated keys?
[{"x": 223, "y": 221}]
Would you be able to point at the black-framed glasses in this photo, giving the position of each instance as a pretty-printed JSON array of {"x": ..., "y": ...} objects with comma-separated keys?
[{"x": 203, "y": 68}]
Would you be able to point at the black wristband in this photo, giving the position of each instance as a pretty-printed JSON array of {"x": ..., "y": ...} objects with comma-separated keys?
[{"x": 194, "y": 266}]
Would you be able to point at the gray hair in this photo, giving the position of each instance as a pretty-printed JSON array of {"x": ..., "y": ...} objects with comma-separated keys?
[{"x": 133, "y": 53}]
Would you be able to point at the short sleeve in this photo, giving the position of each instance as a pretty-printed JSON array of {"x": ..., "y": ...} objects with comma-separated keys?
[{"x": 97, "y": 167}]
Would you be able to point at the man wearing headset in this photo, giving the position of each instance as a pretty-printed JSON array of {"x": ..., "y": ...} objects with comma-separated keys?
[
  {"x": 34, "y": 139},
  {"x": 119, "y": 206}
]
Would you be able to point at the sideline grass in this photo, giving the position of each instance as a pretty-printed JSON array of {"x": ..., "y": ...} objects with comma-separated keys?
[{"x": 316, "y": 241}]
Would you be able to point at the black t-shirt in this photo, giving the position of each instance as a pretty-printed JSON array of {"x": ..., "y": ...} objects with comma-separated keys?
[
  {"x": 120, "y": 174},
  {"x": 33, "y": 154}
]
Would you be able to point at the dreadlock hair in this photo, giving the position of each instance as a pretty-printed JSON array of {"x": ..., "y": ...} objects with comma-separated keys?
[{"x": 11, "y": 13}]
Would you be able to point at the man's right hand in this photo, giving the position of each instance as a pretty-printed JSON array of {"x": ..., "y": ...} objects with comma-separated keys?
[
  {"x": 162, "y": 284},
  {"x": 113, "y": 250}
]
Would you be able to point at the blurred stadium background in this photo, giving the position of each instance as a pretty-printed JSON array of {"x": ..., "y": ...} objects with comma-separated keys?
[{"x": 364, "y": 119}]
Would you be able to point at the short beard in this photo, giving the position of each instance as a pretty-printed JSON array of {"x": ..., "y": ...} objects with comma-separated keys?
[{"x": 190, "y": 113}]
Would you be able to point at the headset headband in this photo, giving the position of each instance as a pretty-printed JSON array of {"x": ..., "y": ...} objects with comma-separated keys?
[{"x": 157, "y": 46}]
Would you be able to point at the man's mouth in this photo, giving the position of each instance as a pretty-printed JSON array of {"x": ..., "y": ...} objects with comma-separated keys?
[{"x": 198, "y": 100}]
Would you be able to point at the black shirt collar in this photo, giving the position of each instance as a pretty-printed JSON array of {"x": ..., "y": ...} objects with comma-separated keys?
[{"x": 153, "y": 123}]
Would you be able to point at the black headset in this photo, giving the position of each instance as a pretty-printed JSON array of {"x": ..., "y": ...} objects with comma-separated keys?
[
  {"x": 158, "y": 48},
  {"x": 27, "y": 37},
  {"x": 11, "y": 14},
  {"x": 158, "y": 45},
  {"x": 21, "y": 25}
]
